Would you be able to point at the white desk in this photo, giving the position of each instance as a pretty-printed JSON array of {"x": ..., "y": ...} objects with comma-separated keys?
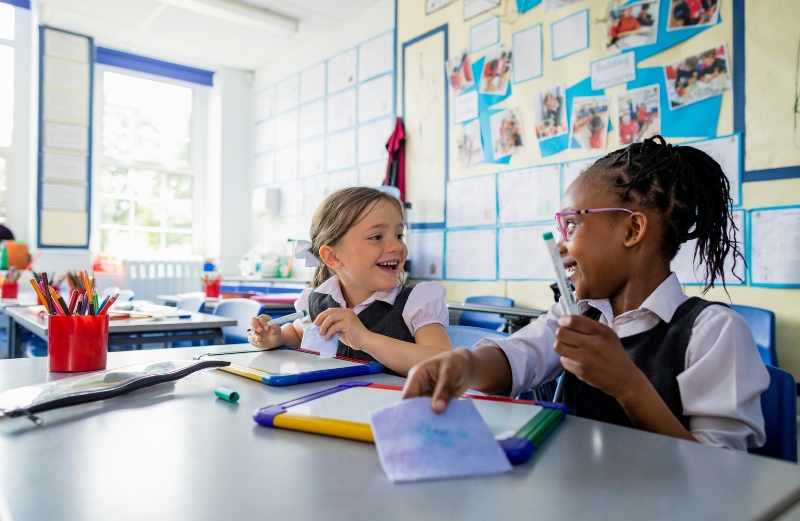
[
  {"x": 211, "y": 303},
  {"x": 200, "y": 326},
  {"x": 175, "y": 451}
]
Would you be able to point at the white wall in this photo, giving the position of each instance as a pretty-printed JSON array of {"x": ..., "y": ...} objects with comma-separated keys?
[
  {"x": 270, "y": 230},
  {"x": 229, "y": 178}
]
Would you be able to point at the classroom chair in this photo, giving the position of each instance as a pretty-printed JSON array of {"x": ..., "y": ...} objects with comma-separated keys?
[
  {"x": 779, "y": 405},
  {"x": 242, "y": 309},
  {"x": 468, "y": 336},
  {"x": 193, "y": 304},
  {"x": 485, "y": 320},
  {"x": 108, "y": 292},
  {"x": 762, "y": 324}
]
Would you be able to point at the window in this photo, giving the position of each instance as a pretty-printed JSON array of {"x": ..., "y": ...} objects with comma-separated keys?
[
  {"x": 7, "y": 20},
  {"x": 146, "y": 176}
]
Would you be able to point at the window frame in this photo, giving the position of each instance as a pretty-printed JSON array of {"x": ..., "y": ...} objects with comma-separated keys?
[{"x": 195, "y": 167}]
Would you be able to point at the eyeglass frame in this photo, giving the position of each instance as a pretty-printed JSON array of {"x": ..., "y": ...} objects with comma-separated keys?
[{"x": 559, "y": 215}]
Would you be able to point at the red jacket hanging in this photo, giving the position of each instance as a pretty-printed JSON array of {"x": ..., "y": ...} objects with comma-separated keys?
[{"x": 396, "y": 166}]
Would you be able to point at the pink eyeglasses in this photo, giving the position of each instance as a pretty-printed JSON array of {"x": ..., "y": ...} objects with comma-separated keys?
[{"x": 560, "y": 222}]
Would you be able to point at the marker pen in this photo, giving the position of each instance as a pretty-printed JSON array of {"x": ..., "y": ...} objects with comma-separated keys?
[
  {"x": 285, "y": 319},
  {"x": 561, "y": 275}
]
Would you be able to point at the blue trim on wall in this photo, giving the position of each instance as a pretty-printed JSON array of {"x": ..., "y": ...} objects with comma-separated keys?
[
  {"x": 25, "y": 4},
  {"x": 135, "y": 62}
]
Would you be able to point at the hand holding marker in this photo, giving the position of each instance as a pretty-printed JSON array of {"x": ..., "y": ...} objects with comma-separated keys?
[
  {"x": 284, "y": 320},
  {"x": 561, "y": 275}
]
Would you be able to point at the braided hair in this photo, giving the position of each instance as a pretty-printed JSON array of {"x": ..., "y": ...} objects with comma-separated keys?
[{"x": 688, "y": 189}]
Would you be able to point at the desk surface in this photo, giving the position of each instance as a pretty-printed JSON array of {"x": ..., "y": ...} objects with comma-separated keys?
[
  {"x": 25, "y": 299},
  {"x": 510, "y": 311},
  {"x": 175, "y": 451},
  {"x": 211, "y": 303},
  {"x": 37, "y": 326}
]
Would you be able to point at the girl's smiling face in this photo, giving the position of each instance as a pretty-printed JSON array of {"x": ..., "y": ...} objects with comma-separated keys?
[
  {"x": 595, "y": 251},
  {"x": 370, "y": 256}
]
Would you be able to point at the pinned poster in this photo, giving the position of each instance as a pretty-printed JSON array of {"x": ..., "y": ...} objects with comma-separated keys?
[
  {"x": 570, "y": 34},
  {"x": 376, "y": 56},
  {"x": 265, "y": 169},
  {"x": 466, "y": 107},
  {"x": 287, "y": 94},
  {"x": 340, "y": 151},
  {"x": 560, "y": 143},
  {"x": 342, "y": 71},
  {"x": 523, "y": 254},
  {"x": 312, "y": 120},
  {"x": 312, "y": 83},
  {"x": 265, "y": 136},
  {"x": 286, "y": 128},
  {"x": 375, "y": 98},
  {"x": 506, "y": 132},
  {"x": 312, "y": 157},
  {"x": 286, "y": 164},
  {"x": 527, "y": 53},
  {"x": 426, "y": 253},
  {"x": 589, "y": 125},
  {"x": 529, "y": 195},
  {"x": 632, "y": 25},
  {"x": 727, "y": 151},
  {"x": 698, "y": 76},
  {"x": 471, "y": 202},
  {"x": 471, "y": 255},
  {"x": 496, "y": 72},
  {"x": 484, "y": 34},
  {"x": 550, "y": 112},
  {"x": 341, "y": 110},
  {"x": 265, "y": 104},
  {"x": 775, "y": 247},
  {"x": 639, "y": 114},
  {"x": 473, "y": 8},
  {"x": 470, "y": 146},
  {"x": 617, "y": 69},
  {"x": 460, "y": 72}
]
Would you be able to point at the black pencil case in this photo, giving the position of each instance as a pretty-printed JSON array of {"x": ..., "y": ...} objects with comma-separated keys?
[{"x": 99, "y": 385}]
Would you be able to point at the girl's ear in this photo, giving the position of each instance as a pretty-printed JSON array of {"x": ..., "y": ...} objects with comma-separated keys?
[
  {"x": 637, "y": 229},
  {"x": 328, "y": 256}
]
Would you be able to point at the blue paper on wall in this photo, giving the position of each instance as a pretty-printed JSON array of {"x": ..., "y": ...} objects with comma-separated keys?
[
  {"x": 313, "y": 341},
  {"x": 558, "y": 144},
  {"x": 527, "y": 5},
  {"x": 666, "y": 39},
  {"x": 695, "y": 120},
  {"x": 416, "y": 444}
]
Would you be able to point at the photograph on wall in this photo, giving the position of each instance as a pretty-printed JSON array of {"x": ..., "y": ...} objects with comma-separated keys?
[
  {"x": 496, "y": 71},
  {"x": 554, "y": 5},
  {"x": 550, "y": 112},
  {"x": 459, "y": 71},
  {"x": 698, "y": 77},
  {"x": 684, "y": 14},
  {"x": 589, "y": 127},
  {"x": 639, "y": 116},
  {"x": 470, "y": 148},
  {"x": 632, "y": 25},
  {"x": 506, "y": 128}
]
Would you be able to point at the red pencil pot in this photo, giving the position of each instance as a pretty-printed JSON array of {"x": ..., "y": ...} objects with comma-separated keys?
[
  {"x": 77, "y": 343},
  {"x": 212, "y": 288},
  {"x": 9, "y": 290}
]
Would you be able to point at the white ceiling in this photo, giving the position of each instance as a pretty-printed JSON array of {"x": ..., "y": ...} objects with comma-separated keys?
[{"x": 158, "y": 30}]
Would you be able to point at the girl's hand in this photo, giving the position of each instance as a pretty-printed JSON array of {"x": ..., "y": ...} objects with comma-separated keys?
[
  {"x": 443, "y": 377},
  {"x": 261, "y": 336},
  {"x": 352, "y": 331},
  {"x": 593, "y": 352}
]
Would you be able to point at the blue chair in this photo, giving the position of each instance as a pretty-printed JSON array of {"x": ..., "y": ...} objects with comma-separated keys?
[
  {"x": 194, "y": 304},
  {"x": 242, "y": 309},
  {"x": 762, "y": 324},
  {"x": 779, "y": 405},
  {"x": 485, "y": 320},
  {"x": 468, "y": 336}
]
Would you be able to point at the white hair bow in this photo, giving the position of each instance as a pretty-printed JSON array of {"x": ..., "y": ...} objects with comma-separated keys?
[{"x": 303, "y": 251}]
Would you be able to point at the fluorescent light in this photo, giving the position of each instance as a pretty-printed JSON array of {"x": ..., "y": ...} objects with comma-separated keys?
[{"x": 239, "y": 13}]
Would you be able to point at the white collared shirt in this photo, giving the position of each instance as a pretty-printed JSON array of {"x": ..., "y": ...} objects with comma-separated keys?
[
  {"x": 425, "y": 304},
  {"x": 720, "y": 386}
]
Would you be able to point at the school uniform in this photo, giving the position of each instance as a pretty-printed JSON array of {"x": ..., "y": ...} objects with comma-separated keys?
[
  {"x": 700, "y": 356},
  {"x": 397, "y": 313}
]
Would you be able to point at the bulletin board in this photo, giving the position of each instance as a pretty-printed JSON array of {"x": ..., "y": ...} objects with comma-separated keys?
[
  {"x": 66, "y": 63},
  {"x": 600, "y": 61},
  {"x": 326, "y": 127}
]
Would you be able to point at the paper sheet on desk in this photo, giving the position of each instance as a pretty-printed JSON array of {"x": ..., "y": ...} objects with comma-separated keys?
[
  {"x": 416, "y": 444},
  {"x": 313, "y": 341}
]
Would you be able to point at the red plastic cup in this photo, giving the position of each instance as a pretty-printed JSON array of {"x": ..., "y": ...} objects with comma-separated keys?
[
  {"x": 77, "y": 343},
  {"x": 9, "y": 290},
  {"x": 212, "y": 289}
]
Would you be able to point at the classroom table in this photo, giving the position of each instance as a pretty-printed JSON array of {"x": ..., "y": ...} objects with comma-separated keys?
[
  {"x": 175, "y": 451},
  {"x": 25, "y": 299},
  {"x": 200, "y": 326},
  {"x": 517, "y": 317},
  {"x": 210, "y": 303}
]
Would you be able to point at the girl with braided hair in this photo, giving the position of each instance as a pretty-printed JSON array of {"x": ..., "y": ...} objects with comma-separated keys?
[{"x": 642, "y": 354}]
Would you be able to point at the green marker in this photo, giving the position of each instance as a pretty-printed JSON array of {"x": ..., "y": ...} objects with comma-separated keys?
[{"x": 227, "y": 394}]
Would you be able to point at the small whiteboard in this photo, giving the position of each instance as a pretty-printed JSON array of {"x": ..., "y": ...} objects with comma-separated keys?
[
  {"x": 471, "y": 255},
  {"x": 775, "y": 246},
  {"x": 691, "y": 274},
  {"x": 471, "y": 202},
  {"x": 529, "y": 195}
]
